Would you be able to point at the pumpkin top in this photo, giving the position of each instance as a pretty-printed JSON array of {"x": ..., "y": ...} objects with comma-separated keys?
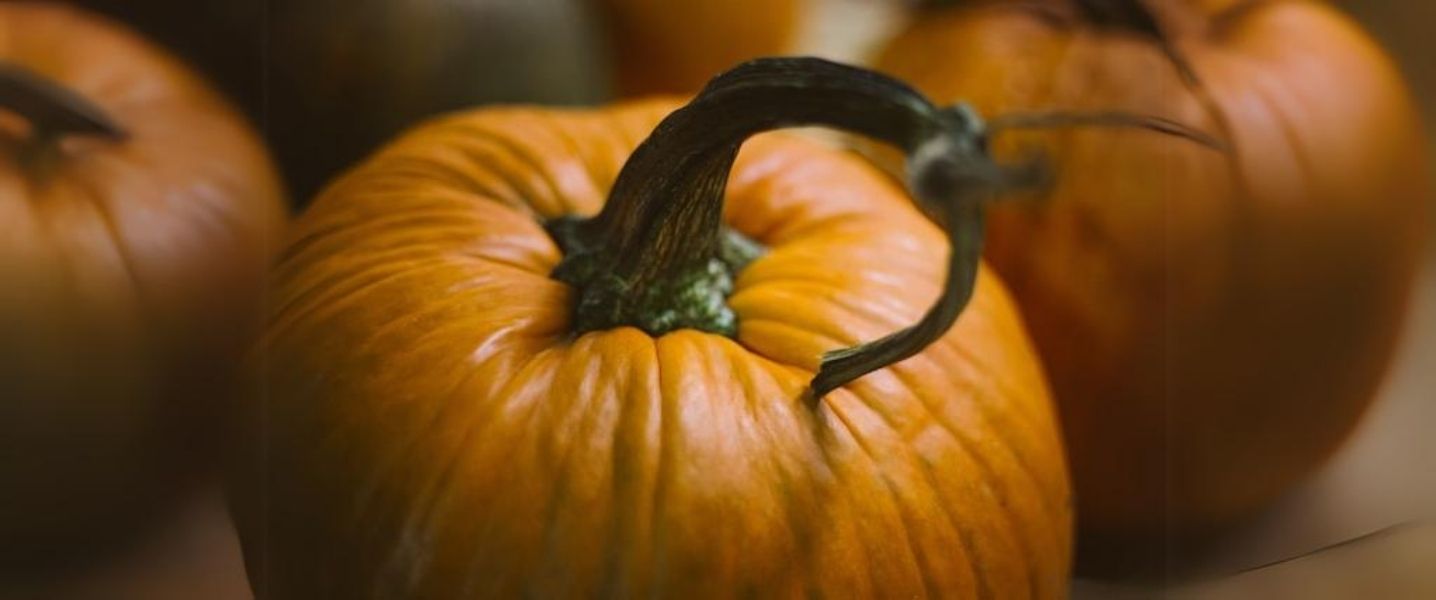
[{"x": 831, "y": 228}]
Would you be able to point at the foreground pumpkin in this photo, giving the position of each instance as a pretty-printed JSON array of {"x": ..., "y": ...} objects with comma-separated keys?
[
  {"x": 662, "y": 46},
  {"x": 445, "y": 418},
  {"x": 1213, "y": 325},
  {"x": 135, "y": 208}
]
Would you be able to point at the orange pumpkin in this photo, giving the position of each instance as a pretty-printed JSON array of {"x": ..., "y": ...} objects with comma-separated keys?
[
  {"x": 135, "y": 208},
  {"x": 445, "y": 418},
  {"x": 1213, "y": 326},
  {"x": 662, "y": 46}
]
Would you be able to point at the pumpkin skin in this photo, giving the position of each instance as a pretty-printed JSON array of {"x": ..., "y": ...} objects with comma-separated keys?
[
  {"x": 432, "y": 429},
  {"x": 132, "y": 274},
  {"x": 661, "y": 46},
  {"x": 1213, "y": 326}
]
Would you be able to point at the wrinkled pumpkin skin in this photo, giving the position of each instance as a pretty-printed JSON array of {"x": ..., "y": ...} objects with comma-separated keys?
[
  {"x": 433, "y": 429},
  {"x": 131, "y": 274},
  {"x": 663, "y": 46},
  {"x": 1213, "y": 326}
]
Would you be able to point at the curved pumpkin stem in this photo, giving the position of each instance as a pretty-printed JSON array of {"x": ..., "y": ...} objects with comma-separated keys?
[
  {"x": 657, "y": 256},
  {"x": 1109, "y": 119},
  {"x": 1135, "y": 16},
  {"x": 953, "y": 175},
  {"x": 52, "y": 110}
]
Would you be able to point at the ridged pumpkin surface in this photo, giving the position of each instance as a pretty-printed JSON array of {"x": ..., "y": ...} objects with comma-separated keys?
[{"x": 432, "y": 428}]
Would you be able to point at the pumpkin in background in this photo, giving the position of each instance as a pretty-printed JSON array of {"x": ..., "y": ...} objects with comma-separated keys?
[
  {"x": 663, "y": 46},
  {"x": 330, "y": 80},
  {"x": 136, "y": 209},
  {"x": 1213, "y": 326},
  {"x": 446, "y": 418}
]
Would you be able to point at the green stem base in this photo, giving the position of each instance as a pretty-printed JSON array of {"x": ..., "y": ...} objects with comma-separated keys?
[{"x": 692, "y": 296}]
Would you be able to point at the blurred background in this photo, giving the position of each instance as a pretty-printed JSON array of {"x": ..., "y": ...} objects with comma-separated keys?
[
  {"x": 553, "y": 51},
  {"x": 1384, "y": 475}
]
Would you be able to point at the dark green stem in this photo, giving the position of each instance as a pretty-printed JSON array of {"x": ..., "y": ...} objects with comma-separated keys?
[
  {"x": 656, "y": 256},
  {"x": 957, "y": 191}
]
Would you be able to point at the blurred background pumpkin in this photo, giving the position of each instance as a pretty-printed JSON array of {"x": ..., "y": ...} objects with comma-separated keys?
[
  {"x": 1213, "y": 328},
  {"x": 662, "y": 46},
  {"x": 329, "y": 80},
  {"x": 136, "y": 215}
]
